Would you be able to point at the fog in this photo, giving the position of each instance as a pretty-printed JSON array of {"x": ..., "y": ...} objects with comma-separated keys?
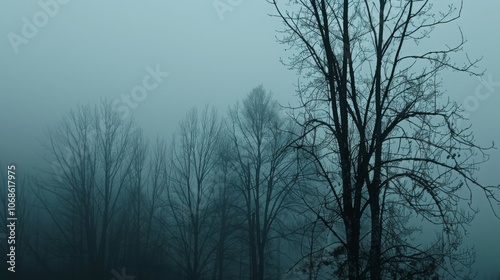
[{"x": 189, "y": 54}]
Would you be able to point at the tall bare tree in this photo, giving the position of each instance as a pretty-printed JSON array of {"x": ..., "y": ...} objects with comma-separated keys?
[
  {"x": 264, "y": 164},
  {"x": 226, "y": 200},
  {"x": 375, "y": 124},
  {"x": 90, "y": 153},
  {"x": 141, "y": 242},
  {"x": 191, "y": 190}
]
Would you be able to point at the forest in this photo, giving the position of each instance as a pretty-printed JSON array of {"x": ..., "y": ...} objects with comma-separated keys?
[{"x": 370, "y": 176}]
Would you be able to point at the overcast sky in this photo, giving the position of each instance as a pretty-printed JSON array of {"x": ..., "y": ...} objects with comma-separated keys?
[{"x": 85, "y": 50}]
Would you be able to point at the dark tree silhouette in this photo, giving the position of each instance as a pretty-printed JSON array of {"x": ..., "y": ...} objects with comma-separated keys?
[
  {"x": 377, "y": 129},
  {"x": 264, "y": 165},
  {"x": 90, "y": 153},
  {"x": 190, "y": 192}
]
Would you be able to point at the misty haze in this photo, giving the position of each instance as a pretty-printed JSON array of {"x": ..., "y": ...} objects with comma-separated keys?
[{"x": 253, "y": 140}]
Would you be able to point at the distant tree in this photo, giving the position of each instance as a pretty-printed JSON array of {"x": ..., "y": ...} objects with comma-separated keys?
[
  {"x": 377, "y": 130},
  {"x": 141, "y": 243},
  {"x": 226, "y": 200},
  {"x": 264, "y": 165},
  {"x": 90, "y": 152},
  {"x": 131, "y": 222},
  {"x": 190, "y": 193}
]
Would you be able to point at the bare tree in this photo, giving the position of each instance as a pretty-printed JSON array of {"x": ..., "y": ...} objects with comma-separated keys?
[
  {"x": 90, "y": 152},
  {"x": 264, "y": 164},
  {"x": 141, "y": 244},
  {"x": 226, "y": 198},
  {"x": 154, "y": 239},
  {"x": 191, "y": 190},
  {"x": 132, "y": 219},
  {"x": 375, "y": 124},
  {"x": 148, "y": 179}
]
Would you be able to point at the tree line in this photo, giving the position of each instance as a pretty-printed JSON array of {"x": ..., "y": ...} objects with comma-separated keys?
[
  {"x": 208, "y": 205},
  {"x": 234, "y": 196}
]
